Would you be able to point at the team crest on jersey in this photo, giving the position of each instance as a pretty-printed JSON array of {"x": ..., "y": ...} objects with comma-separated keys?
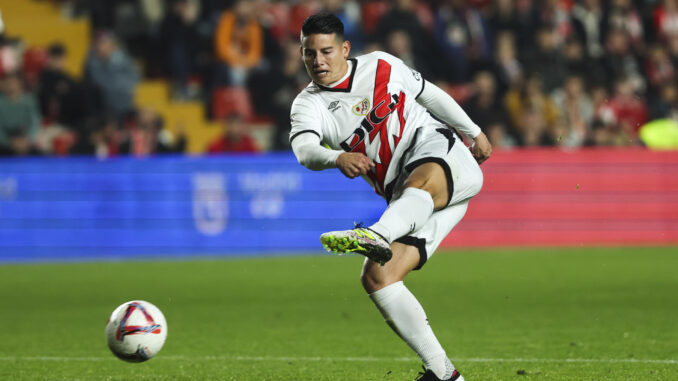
[{"x": 362, "y": 107}]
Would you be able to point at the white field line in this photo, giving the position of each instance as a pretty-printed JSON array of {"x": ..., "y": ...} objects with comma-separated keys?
[{"x": 349, "y": 359}]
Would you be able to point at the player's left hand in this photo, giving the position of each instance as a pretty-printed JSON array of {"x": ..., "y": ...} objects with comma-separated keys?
[{"x": 481, "y": 148}]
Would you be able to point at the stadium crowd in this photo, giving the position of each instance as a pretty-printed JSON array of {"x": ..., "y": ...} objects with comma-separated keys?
[{"x": 566, "y": 73}]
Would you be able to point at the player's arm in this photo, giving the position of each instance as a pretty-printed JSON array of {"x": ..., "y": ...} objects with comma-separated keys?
[
  {"x": 312, "y": 155},
  {"x": 443, "y": 106}
]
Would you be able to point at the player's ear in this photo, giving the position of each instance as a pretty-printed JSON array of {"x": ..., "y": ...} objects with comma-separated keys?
[{"x": 346, "y": 48}]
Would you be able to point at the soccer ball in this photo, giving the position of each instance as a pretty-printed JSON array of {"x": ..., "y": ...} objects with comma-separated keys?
[{"x": 136, "y": 331}]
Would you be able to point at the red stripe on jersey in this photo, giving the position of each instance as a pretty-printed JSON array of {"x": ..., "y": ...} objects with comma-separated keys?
[
  {"x": 381, "y": 81},
  {"x": 385, "y": 104},
  {"x": 376, "y": 123}
]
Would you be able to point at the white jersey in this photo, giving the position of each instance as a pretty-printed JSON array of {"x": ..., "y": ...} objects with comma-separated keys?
[{"x": 372, "y": 111}]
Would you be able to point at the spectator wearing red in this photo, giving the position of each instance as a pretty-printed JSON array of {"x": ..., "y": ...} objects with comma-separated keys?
[
  {"x": 666, "y": 19},
  {"x": 235, "y": 138},
  {"x": 629, "y": 110}
]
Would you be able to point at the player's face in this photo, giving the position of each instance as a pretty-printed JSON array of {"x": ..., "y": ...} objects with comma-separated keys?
[{"x": 325, "y": 57}]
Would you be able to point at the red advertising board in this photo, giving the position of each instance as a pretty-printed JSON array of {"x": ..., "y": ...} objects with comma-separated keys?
[{"x": 551, "y": 197}]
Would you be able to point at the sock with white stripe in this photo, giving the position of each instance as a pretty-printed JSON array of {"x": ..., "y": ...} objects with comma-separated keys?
[
  {"x": 406, "y": 316},
  {"x": 405, "y": 215}
]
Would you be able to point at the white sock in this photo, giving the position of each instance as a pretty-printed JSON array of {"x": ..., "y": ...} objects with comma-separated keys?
[
  {"x": 406, "y": 316},
  {"x": 405, "y": 215}
]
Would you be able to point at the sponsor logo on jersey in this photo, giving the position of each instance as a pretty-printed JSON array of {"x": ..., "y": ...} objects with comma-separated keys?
[
  {"x": 416, "y": 75},
  {"x": 374, "y": 125},
  {"x": 362, "y": 107},
  {"x": 334, "y": 106}
]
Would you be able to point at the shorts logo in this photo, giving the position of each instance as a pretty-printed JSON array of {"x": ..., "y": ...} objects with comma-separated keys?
[
  {"x": 334, "y": 106},
  {"x": 362, "y": 107}
]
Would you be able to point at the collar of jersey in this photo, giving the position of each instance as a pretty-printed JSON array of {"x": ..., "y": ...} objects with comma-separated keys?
[{"x": 346, "y": 89}]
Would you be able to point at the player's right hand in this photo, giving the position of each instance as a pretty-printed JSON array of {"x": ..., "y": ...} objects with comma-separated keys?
[
  {"x": 481, "y": 148},
  {"x": 354, "y": 164}
]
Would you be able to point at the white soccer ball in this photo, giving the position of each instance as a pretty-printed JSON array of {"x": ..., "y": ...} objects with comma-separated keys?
[{"x": 136, "y": 331}]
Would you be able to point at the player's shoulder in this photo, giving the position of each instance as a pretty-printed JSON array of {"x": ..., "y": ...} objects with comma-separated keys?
[
  {"x": 307, "y": 98},
  {"x": 377, "y": 55},
  {"x": 308, "y": 93}
]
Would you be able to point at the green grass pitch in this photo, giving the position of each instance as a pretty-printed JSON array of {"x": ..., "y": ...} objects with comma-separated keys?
[{"x": 519, "y": 314}]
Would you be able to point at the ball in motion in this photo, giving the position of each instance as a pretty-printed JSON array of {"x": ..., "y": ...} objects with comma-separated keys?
[{"x": 136, "y": 331}]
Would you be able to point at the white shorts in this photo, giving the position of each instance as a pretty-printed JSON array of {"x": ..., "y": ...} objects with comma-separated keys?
[{"x": 464, "y": 180}]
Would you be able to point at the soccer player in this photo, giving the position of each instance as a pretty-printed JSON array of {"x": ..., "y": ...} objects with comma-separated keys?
[{"x": 373, "y": 115}]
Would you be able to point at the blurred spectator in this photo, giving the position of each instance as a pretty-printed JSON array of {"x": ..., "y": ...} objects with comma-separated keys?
[
  {"x": 576, "y": 113},
  {"x": 629, "y": 112},
  {"x": 619, "y": 60},
  {"x": 235, "y": 138},
  {"x": 577, "y": 62},
  {"x": 532, "y": 112},
  {"x": 587, "y": 18},
  {"x": 19, "y": 117},
  {"x": 666, "y": 19},
  {"x": 463, "y": 36},
  {"x": 112, "y": 72},
  {"x": 273, "y": 92},
  {"x": 239, "y": 41},
  {"x": 509, "y": 69},
  {"x": 59, "y": 94},
  {"x": 100, "y": 136},
  {"x": 672, "y": 49},
  {"x": 659, "y": 69},
  {"x": 399, "y": 44},
  {"x": 600, "y": 98},
  {"x": 146, "y": 135},
  {"x": 546, "y": 59},
  {"x": 556, "y": 14},
  {"x": 623, "y": 15},
  {"x": 299, "y": 11},
  {"x": 402, "y": 18},
  {"x": 9, "y": 55},
  {"x": 486, "y": 110},
  {"x": 516, "y": 17},
  {"x": 665, "y": 103},
  {"x": 600, "y": 135},
  {"x": 180, "y": 42}
]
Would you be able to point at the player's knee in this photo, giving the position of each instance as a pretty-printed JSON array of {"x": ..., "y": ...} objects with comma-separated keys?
[
  {"x": 429, "y": 186},
  {"x": 374, "y": 281}
]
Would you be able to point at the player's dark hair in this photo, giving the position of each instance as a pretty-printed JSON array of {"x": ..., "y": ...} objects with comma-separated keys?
[{"x": 323, "y": 23}]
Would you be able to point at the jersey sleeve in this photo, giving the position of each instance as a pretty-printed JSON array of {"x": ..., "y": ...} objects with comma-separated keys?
[
  {"x": 304, "y": 119},
  {"x": 412, "y": 79}
]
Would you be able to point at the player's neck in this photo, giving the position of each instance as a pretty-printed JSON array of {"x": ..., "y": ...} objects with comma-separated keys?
[{"x": 349, "y": 65}]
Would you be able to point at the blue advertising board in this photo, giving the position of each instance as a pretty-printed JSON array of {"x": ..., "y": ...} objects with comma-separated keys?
[{"x": 85, "y": 208}]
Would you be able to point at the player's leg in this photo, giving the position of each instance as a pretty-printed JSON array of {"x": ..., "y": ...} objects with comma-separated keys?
[
  {"x": 403, "y": 312},
  {"x": 425, "y": 190}
]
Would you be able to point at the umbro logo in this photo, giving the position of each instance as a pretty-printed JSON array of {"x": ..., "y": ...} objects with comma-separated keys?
[{"x": 334, "y": 106}]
